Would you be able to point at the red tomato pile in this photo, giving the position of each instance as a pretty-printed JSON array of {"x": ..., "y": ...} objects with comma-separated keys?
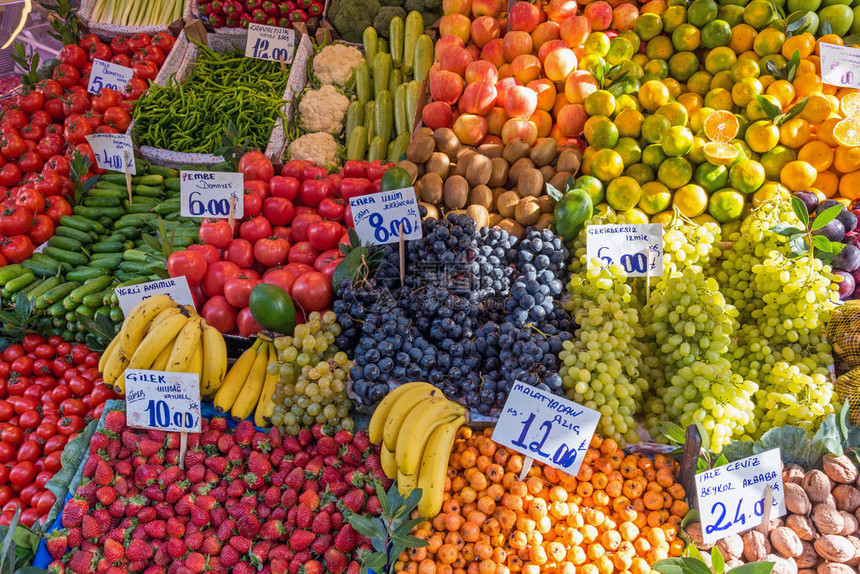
[
  {"x": 292, "y": 228},
  {"x": 49, "y": 391},
  {"x": 283, "y": 13},
  {"x": 44, "y": 125}
]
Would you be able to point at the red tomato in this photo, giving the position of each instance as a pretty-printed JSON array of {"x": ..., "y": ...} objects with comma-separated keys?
[
  {"x": 22, "y": 473},
  {"x": 302, "y": 252},
  {"x": 42, "y": 230},
  {"x": 255, "y": 229},
  {"x": 33, "y": 131},
  {"x": 107, "y": 98},
  {"x": 300, "y": 224},
  {"x": 164, "y": 41},
  {"x": 30, "y": 450},
  {"x": 312, "y": 291},
  {"x": 119, "y": 45},
  {"x": 117, "y": 117},
  {"x": 209, "y": 252},
  {"x": 29, "y": 100},
  {"x": 12, "y": 435},
  {"x": 45, "y": 430},
  {"x": 293, "y": 168},
  {"x": 354, "y": 168},
  {"x": 54, "y": 460},
  {"x": 282, "y": 186},
  {"x": 16, "y": 220},
  {"x": 281, "y": 278},
  {"x": 73, "y": 55},
  {"x": 246, "y": 323},
  {"x": 72, "y": 406},
  {"x": 238, "y": 290},
  {"x": 255, "y": 165},
  {"x": 278, "y": 210},
  {"x": 49, "y": 88},
  {"x": 332, "y": 209},
  {"x": 79, "y": 386},
  {"x": 42, "y": 367},
  {"x": 101, "y": 393},
  {"x": 313, "y": 172},
  {"x": 145, "y": 70},
  {"x": 60, "y": 164},
  {"x": 139, "y": 41},
  {"x": 376, "y": 169},
  {"x": 31, "y": 341},
  {"x": 324, "y": 235},
  {"x": 7, "y": 452},
  {"x": 55, "y": 443},
  {"x": 50, "y": 182},
  {"x": 12, "y": 146},
  {"x": 76, "y": 128},
  {"x": 241, "y": 252},
  {"x": 326, "y": 257},
  {"x": 135, "y": 88},
  {"x": 217, "y": 232},
  {"x": 313, "y": 191},
  {"x": 153, "y": 54},
  {"x": 219, "y": 313},
  {"x": 216, "y": 275},
  {"x": 17, "y": 249},
  {"x": 47, "y": 499},
  {"x": 31, "y": 161},
  {"x": 271, "y": 251},
  {"x": 252, "y": 204},
  {"x": 70, "y": 424},
  {"x": 188, "y": 263},
  {"x": 6, "y": 410},
  {"x": 99, "y": 51},
  {"x": 10, "y": 174},
  {"x": 354, "y": 187},
  {"x": 60, "y": 392},
  {"x": 32, "y": 200},
  {"x": 122, "y": 60},
  {"x": 76, "y": 103},
  {"x": 13, "y": 351}
]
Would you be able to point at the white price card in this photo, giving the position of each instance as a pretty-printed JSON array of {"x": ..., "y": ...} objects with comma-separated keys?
[
  {"x": 112, "y": 151},
  {"x": 108, "y": 75},
  {"x": 840, "y": 65},
  {"x": 546, "y": 427},
  {"x": 210, "y": 194},
  {"x": 174, "y": 287},
  {"x": 270, "y": 43},
  {"x": 162, "y": 401},
  {"x": 732, "y": 496},
  {"x": 638, "y": 248},
  {"x": 380, "y": 218}
]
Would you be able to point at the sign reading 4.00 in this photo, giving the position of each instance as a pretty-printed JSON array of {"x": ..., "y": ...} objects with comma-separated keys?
[
  {"x": 270, "y": 43},
  {"x": 162, "y": 401},
  {"x": 211, "y": 194},
  {"x": 638, "y": 248}
]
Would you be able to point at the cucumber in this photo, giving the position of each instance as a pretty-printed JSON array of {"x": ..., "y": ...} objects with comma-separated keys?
[
  {"x": 172, "y": 183},
  {"x": 383, "y": 115},
  {"x": 105, "y": 264},
  {"x": 371, "y": 42},
  {"x": 354, "y": 117},
  {"x": 10, "y": 272},
  {"x": 138, "y": 208},
  {"x": 108, "y": 247},
  {"x": 95, "y": 299},
  {"x": 423, "y": 57},
  {"x": 381, "y": 73},
  {"x": 413, "y": 28},
  {"x": 72, "y": 233},
  {"x": 413, "y": 93},
  {"x": 398, "y": 147},
  {"x": 401, "y": 123},
  {"x": 84, "y": 273},
  {"x": 69, "y": 304},
  {"x": 66, "y": 256},
  {"x": 82, "y": 223},
  {"x": 369, "y": 120},
  {"x": 41, "y": 269},
  {"x": 57, "y": 310},
  {"x": 116, "y": 314},
  {"x": 110, "y": 213},
  {"x": 88, "y": 312},
  {"x": 382, "y": 46},
  {"x": 148, "y": 179},
  {"x": 46, "y": 286},
  {"x": 48, "y": 261},
  {"x": 19, "y": 282},
  {"x": 57, "y": 294},
  {"x": 114, "y": 178},
  {"x": 362, "y": 83},
  {"x": 104, "y": 256},
  {"x": 357, "y": 145},
  {"x": 102, "y": 201},
  {"x": 395, "y": 80},
  {"x": 378, "y": 149},
  {"x": 102, "y": 312},
  {"x": 65, "y": 243},
  {"x": 91, "y": 286},
  {"x": 165, "y": 172},
  {"x": 396, "y": 31},
  {"x": 102, "y": 192}
]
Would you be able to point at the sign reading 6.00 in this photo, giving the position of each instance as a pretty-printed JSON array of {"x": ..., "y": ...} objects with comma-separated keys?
[
  {"x": 211, "y": 194},
  {"x": 162, "y": 401},
  {"x": 638, "y": 248}
]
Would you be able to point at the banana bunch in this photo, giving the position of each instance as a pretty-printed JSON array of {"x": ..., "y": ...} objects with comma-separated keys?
[
  {"x": 161, "y": 335},
  {"x": 416, "y": 426},
  {"x": 248, "y": 384}
]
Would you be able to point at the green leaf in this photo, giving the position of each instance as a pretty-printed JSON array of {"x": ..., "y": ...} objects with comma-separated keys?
[
  {"x": 826, "y": 216},
  {"x": 826, "y": 28},
  {"x": 673, "y": 432},
  {"x": 721, "y": 461},
  {"x": 767, "y": 107},
  {"x": 792, "y": 66},
  {"x": 692, "y": 552},
  {"x": 785, "y": 229},
  {"x": 753, "y": 568},
  {"x": 376, "y": 561},
  {"x": 354, "y": 240},
  {"x": 367, "y": 527},
  {"x": 792, "y": 113},
  {"x": 386, "y": 501},
  {"x": 717, "y": 562},
  {"x": 822, "y": 243},
  {"x": 836, "y": 247},
  {"x": 774, "y": 69},
  {"x": 681, "y": 566},
  {"x": 829, "y": 435},
  {"x": 799, "y": 208},
  {"x": 795, "y": 21},
  {"x": 412, "y": 501},
  {"x": 798, "y": 245},
  {"x": 7, "y": 553},
  {"x": 30, "y": 570},
  {"x": 553, "y": 193},
  {"x": 410, "y": 542},
  {"x": 706, "y": 440}
]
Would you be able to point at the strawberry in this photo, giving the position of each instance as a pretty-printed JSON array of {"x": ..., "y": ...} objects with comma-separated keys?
[
  {"x": 276, "y": 439},
  {"x": 175, "y": 528},
  {"x": 211, "y": 546},
  {"x": 145, "y": 475},
  {"x": 244, "y": 568},
  {"x": 156, "y": 529},
  {"x": 304, "y": 516},
  {"x": 90, "y": 529},
  {"x": 330, "y": 476},
  {"x": 296, "y": 479},
  {"x": 345, "y": 540},
  {"x": 194, "y": 456},
  {"x": 248, "y": 526},
  {"x": 354, "y": 500},
  {"x": 82, "y": 562},
  {"x": 115, "y": 421},
  {"x": 90, "y": 466},
  {"x": 305, "y": 436},
  {"x": 373, "y": 506},
  {"x": 199, "y": 516},
  {"x": 57, "y": 543},
  {"x": 170, "y": 475},
  {"x": 272, "y": 496},
  {"x": 335, "y": 561},
  {"x": 217, "y": 464},
  {"x": 301, "y": 539},
  {"x": 292, "y": 445},
  {"x": 240, "y": 543},
  {"x": 261, "y": 443},
  {"x": 343, "y": 437},
  {"x": 243, "y": 433},
  {"x": 259, "y": 464},
  {"x": 195, "y": 562},
  {"x": 146, "y": 514},
  {"x": 351, "y": 455},
  {"x": 148, "y": 447},
  {"x": 106, "y": 495},
  {"x": 278, "y": 565},
  {"x": 253, "y": 481},
  {"x": 321, "y": 523},
  {"x": 113, "y": 551},
  {"x": 353, "y": 568},
  {"x": 327, "y": 446},
  {"x": 310, "y": 499},
  {"x": 218, "y": 423},
  {"x": 225, "y": 529},
  {"x": 272, "y": 530},
  {"x": 321, "y": 544},
  {"x": 314, "y": 567},
  {"x": 289, "y": 498},
  {"x": 194, "y": 540},
  {"x": 260, "y": 552},
  {"x": 229, "y": 556},
  {"x": 226, "y": 442},
  {"x": 235, "y": 489},
  {"x": 319, "y": 431}
]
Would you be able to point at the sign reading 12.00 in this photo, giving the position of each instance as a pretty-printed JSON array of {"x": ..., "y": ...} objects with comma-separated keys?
[
  {"x": 211, "y": 194},
  {"x": 162, "y": 401},
  {"x": 637, "y": 248},
  {"x": 270, "y": 43},
  {"x": 546, "y": 427},
  {"x": 108, "y": 75}
]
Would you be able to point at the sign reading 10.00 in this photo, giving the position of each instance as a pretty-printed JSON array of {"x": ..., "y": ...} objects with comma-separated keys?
[{"x": 162, "y": 400}]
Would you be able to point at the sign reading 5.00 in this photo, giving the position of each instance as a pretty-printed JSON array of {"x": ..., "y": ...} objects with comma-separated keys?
[
  {"x": 383, "y": 217},
  {"x": 108, "y": 75},
  {"x": 270, "y": 43},
  {"x": 638, "y": 249},
  {"x": 162, "y": 401},
  {"x": 548, "y": 428},
  {"x": 211, "y": 194}
]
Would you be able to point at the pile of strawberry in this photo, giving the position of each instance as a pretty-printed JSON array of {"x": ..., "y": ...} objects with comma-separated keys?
[{"x": 246, "y": 502}]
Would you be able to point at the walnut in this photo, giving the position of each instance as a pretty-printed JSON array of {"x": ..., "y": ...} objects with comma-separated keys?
[
  {"x": 817, "y": 485},
  {"x": 802, "y": 526},
  {"x": 840, "y": 469},
  {"x": 796, "y": 500},
  {"x": 786, "y": 542},
  {"x": 849, "y": 523},
  {"x": 792, "y": 473},
  {"x": 835, "y": 548},
  {"x": 732, "y": 546},
  {"x": 808, "y": 558},
  {"x": 781, "y": 565},
  {"x": 827, "y": 519},
  {"x": 756, "y": 546},
  {"x": 847, "y": 497}
]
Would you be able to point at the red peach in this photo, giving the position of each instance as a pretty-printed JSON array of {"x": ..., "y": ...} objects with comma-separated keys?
[
  {"x": 599, "y": 14},
  {"x": 545, "y": 32},
  {"x": 478, "y": 98},
  {"x": 526, "y": 68},
  {"x": 575, "y": 30},
  {"x": 470, "y": 128},
  {"x": 484, "y": 29},
  {"x": 437, "y": 115},
  {"x": 445, "y": 42},
  {"x": 458, "y": 25},
  {"x": 456, "y": 60},
  {"x": 457, "y": 7},
  {"x": 545, "y": 91},
  {"x": 520, "y": 102},
  {"x": 560, "y": 102},
  {"x": 523, "y": 16},
  {"x": 488, "y": 8},
  {"x": 503, "y": 86},
  {"x": 571, "y": 119},
  {"x": 624, "y": 16},
  {"x": 519, "y": 129},
  {"x": 543, "y": 121},
  {"x": 446, "y": 87},
  {"x": 505, "y": 72},
  {"x": 549, "y": 47},
  {"x": 578, "y": 85},
  {"x": 559, "y": 64},
  {"x": 481, "y": 71},
  {"x": 474, "y": 51},
  {"x": 559, "y": 10},
  {"x": 496, "y": 120},
  {"x": 516, "y": 43},
  {"x": 493, "y": 52}
]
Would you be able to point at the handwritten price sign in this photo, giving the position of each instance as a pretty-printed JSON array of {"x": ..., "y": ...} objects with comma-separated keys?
[
  {"x": 637, "y": 248},
  {"x": 112, "y": 151},
  {"x": 546, "y": 427},
  {"x": 840, "y": 65},
  {"x": 270, "y": 43},
  {"x": 162, "y": 401},
  {"x": 382, "y": 217},
  {"x": 210, "y": 194},
  {"x": 732, "y": 497},
  {"x": 175, "y": 287},
  {"x": 108, "y": 75}
]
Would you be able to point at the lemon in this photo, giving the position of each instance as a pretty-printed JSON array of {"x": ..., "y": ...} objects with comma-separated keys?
[{"x": 746, "y": 176}]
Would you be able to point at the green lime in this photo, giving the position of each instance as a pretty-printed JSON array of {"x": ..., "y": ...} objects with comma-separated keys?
[
  {"x": 711, "y": 177},
  {"x": 571, "y": 213},
  {"x": 272, "y": 308},
  {"x": 394, "y": 178}
]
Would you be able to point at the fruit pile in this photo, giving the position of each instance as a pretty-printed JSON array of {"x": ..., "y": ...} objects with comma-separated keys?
[
  {"x": 619, "y": 513},
  {"x": 50, "y": 390},
  {"x": 236, "y": 14},
  {"x": 244, "y": 499}
]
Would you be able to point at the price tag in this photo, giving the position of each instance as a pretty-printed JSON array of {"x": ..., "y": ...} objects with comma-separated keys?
[
  {"x": 210, "y": 194},
  {"x": 108, "y": 75},
  {"x": 546, "y": 427},
  {"x": 162, "y": 401},
  {"x": 840, "y": 65},
  {"x": 381, "y": 217},
  {"x": 175, "y": 287},
  {"x": 270, "y": 43},
  {"x": 111, "y": 151},
  {"x": 637, "y": 248},
  {"x": 732, "y": 497}
]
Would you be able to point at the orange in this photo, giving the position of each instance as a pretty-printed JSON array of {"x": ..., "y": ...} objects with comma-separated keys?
[
  {"x": 721, "y": 126},
  {"x": 818, "y": 108},
  {"x": 817, "y": 154},
  {"x": 782, "y": 90},
  {"x": 827, "y": 39},
  {"x": 850, "y": 104},
  {"x": 768, "y": 41},
  {"x": 827, "y": 183},
  {"x": 847, "y": 159},
  {"x": 673, "y": 86},
  {"x": 807, "y": 66},
  {"x": 849, "y": 186},
  {"x": 803, "y": 43},
  {"x": 798, "y": 175},
  {"x": 719, "y": 99},
  {"x": 805, "y": 84},
  {"x": 795, "y": 133},
  {"x": 825, "y": 132},
  {"x": 653, "y": 94},
  {"x": 720, "y": 153},
  {"x": 691, "y": 199},
  {"x": 762, "y": 136},
  {"x": 746, "y": 90},
  {"x": 743, "y": 38},
  {"x": 847, "y": 132},
  {"x": 607, "y": 164}
]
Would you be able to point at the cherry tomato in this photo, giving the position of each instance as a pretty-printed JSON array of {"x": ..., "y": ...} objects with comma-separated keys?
[
  {"x": 29, "y": 517},
  {"x": 46, "y": 500},
  {"x": 22, "y": 473},
  {"x": 7, "y": 452}
]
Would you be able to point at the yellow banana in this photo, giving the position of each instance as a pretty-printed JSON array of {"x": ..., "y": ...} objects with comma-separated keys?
[
  {"x": 389, "y": 463},
  {"x": 266, "y": 406},
  {"x": 160, "y": 318},
  {"x": 183, "y": 351},
  {"x": 134, "y": 326},
  {"x": 214, "y": 361},
  {"x": 226, "y": 395},
  {"x": 157, "y": 340},
  {"x": 401, "y": 409},
  {"x": 434, "y": 467},
  {"x": 114, "y": 343},
  {"x": 160, "y": 362},
  {"x": 406, "y": 483},
  {"x": 114, "y": 365},
  {"x": 380, "y": 415},
  {"x": 417, "y": 429},
  {"x": 196, "y": 364},
  {"x": 250, "y": 393}
]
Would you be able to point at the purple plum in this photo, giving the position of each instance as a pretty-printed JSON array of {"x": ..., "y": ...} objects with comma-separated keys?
[
  {"x": 846, "y": 287},
  {"x": 834, "y": 230},
  {"x": 848, "y": 259},
  {"x": 809, "y": 199}
]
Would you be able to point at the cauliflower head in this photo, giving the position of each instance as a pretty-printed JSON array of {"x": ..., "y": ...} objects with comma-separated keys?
[
  {"x": 334, "y": 63},
  {"x": 323, "y": 110},
  {"x": 319, "y": 148}
]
